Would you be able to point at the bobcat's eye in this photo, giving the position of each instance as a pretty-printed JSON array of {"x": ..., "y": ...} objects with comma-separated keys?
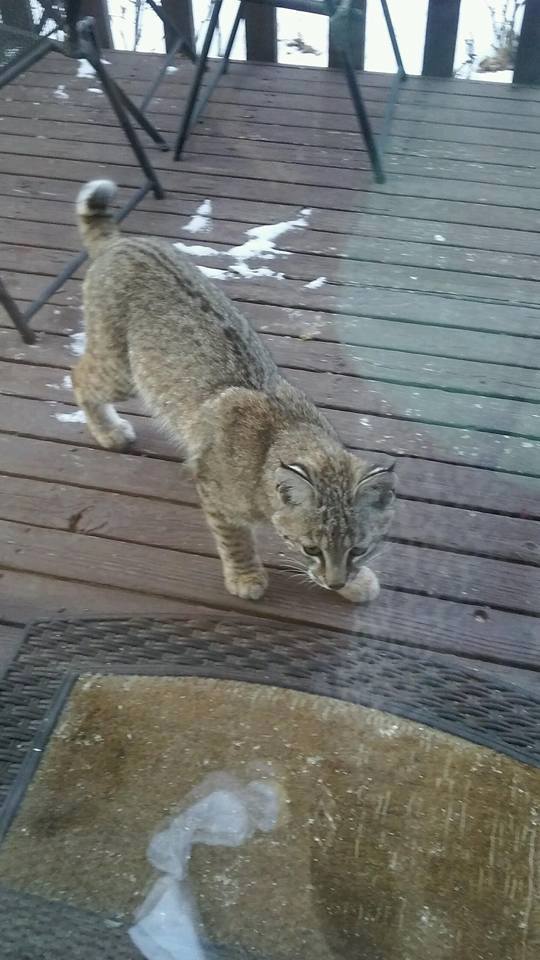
[
  {"x": 357, "y": 553},
  {"x": 312, "y": 551}
]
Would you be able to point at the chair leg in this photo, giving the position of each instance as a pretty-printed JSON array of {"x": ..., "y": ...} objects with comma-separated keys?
[
  {"x": 197, "y": 80},
  {"x": 363, "y": 119},
  {"x": 150, "y": 93},
  {"x": 139, "y": 151},
  {"x": 15, "y": 315},
  {"x": 219, "y": 71},
  {"x": 135, "y": 111},
  {"x": 386, "y": 125},
  {"x": 181, "y": 44},
  {"x": 232, "y": 37},
  {"x": 393, "y": 39},
  {"x": 90, "y": 50}
]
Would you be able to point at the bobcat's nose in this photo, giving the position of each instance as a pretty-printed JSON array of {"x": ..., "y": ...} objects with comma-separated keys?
[
  {"x": 335, "y": 572},
  {"x": 336, "y": 584}
]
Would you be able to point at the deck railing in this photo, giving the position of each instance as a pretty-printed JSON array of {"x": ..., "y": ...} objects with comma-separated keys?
[{"x": 261, "y": 34}]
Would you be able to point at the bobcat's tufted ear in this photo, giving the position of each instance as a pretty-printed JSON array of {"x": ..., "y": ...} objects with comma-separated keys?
[
  {"x": 377, "y": 487},
  {"x": 293, "y": 484}
]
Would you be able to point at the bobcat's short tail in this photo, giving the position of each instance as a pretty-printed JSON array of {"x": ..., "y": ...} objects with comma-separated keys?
[{"x": 96, "y": 222}]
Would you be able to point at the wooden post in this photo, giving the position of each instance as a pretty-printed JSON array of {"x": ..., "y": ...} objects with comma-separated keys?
[
  {"x": 17, "y": 13},
  {"x": 441, "y": 34},
  {"x": 181, "y": 14},
  {"x": 357, "y": 45},
  {"x": 527, "y": 69},
  {"x": 261, "y": 33},
  {"x": 99, "y": 10}
]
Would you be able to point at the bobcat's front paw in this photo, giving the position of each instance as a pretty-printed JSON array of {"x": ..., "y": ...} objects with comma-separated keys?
[
  {"x": 249, "y": 586},
  {"x": 363, "y": 589}
]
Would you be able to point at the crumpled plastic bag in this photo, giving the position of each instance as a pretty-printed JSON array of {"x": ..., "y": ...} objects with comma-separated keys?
[
  {"x": 167, "y": 924},
  {"x": 224, "y": 813}
]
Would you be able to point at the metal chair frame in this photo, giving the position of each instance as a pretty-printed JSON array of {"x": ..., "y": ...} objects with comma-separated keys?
[
  {"x": 81, "y": 43},
  {"x": 196, "y": 103}
]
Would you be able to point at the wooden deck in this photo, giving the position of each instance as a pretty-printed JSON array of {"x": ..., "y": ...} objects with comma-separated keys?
[{"x": 422, "y": 344}]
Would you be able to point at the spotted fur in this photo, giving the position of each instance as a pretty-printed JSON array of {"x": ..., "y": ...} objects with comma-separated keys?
[{"x": 259, "y": 449}]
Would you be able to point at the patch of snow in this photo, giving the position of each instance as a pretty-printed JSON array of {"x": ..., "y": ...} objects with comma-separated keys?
[
  {"x": 85, "y": 69},
  {"x": 314, "y": 284},
  {"x": 94, "y": 90},
  {"x": 171, "y": 69},
  {"x": 244, "y": 271},
  {"x": 60, "y": 92},
  {"x": 258, "y": 247},
  {"x": 77, "y": 416},
  {"x": 439, "y": 238},
  {"x": 263, "y": 242},
  {"x": 198, "y": 224},
  {"x": 196, "y": 251},
  {"x": 66, "y": 382},
  {"x": 77, "y": 344},
  {"x": 214, "y": 273},
  {"x": 261, "y": 245},
  {"x": 201, "y": 222},
  {"x": 498, "y": 76}
]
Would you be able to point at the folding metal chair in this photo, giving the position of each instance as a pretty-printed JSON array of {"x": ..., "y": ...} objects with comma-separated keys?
[
  {"x": 81, "y": 44},
  {"x": 23, "y": 44},
  {"x": 342, "y": 14}
]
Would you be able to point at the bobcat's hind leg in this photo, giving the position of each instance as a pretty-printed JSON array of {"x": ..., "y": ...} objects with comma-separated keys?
[{"x": 96, "y": 388}]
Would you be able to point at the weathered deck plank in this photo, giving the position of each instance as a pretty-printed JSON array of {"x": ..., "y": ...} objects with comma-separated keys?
[
  {"x": 385, "y": 434},
  {"x": 448, "y": 625}
]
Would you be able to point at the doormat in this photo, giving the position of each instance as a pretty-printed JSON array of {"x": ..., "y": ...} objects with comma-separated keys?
[{"x": 393, "y": 838}]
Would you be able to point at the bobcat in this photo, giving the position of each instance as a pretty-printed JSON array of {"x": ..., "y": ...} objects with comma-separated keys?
[{"x": 260, "y": 451}]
